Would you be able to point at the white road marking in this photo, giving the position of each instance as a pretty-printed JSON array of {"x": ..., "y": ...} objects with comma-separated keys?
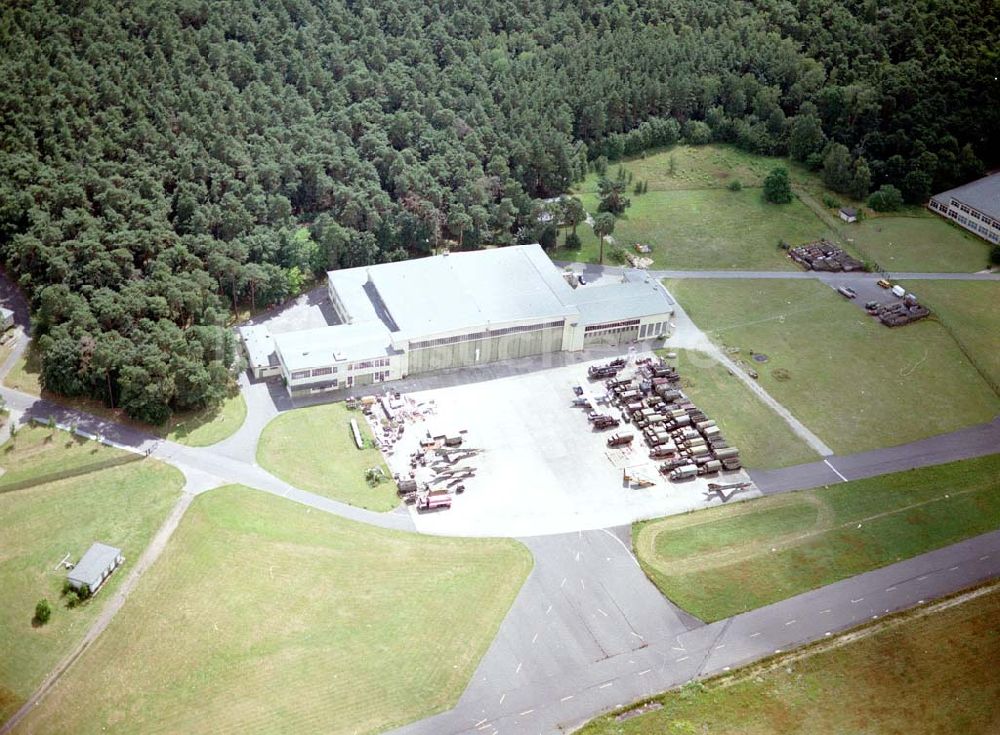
[
  {"x": 721, "y": 645},
  {"x": 549, "y": 610},
  {"x": 952, "y": 569},
  {"x": 637, "y": 635},
  {"x": 921, "y": 579},
  {"x": 890, "y": 589},
  {"x": 534, "y": 638},
  {"x": 622, "y": 544},
  {"x": 984, "y": 557},
  {"x": 644, "y": 672},
  {"x": 578, "y": 556},
  {"x": 480, "y": 722},
  {"x": 582, "y": 585},
  {"x": 526, "y": 712},
  {"x": 518, "y": 669},
  {"x": 790, "y": 622},
  {"x": 563, "y": 582},
  {"x": 682, "y": 658},
  {"x": 487, "y": 726},
  {"x": 754, "y": 635},
  {"x": 855, "y": 602},
  {"x": 827, "y": 463},
  {"x": 602, "y": 612},
  {"x": 606, "y": 685},
  {"x": 566, "y": 698},
  {"x": 503, "y": 697},
  {"x": 824, "y": 612}
]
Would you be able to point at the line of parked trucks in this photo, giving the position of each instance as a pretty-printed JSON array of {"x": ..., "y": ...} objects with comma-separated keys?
[{"x": 674, "y": 428}]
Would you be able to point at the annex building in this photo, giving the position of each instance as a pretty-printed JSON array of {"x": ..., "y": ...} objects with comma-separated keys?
[
  {"x": 455, "y": 310},
  {"x": 975, "y": 206}
]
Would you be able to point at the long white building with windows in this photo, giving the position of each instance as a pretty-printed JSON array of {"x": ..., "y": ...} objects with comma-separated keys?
[
  {"x": 455, "y": 310},
  {"x": 975, "y": 206}
]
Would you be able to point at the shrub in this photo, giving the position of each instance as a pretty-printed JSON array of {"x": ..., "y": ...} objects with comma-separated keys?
[
  {"x": 994, "y": 260},
  {"x": 43, "y": 611},
  {"x": 573, "y": 241},
  {"x": 617, "y": 255},
  {"x": 830, "y": 202},
  {"x": 887, "y": 199},
  {"x": 777, "y": 187},
  {"x": 735, "y": 185}
]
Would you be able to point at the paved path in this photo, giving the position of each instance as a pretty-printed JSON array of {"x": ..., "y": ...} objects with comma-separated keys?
[
  {"x": 975, "y": 441},
  {"x": 110, "y": 609},
  {"x": 209, "y": 468},
  {"x": 608, "y": 270},
  {"x": 588, "y": 631},
  {"x": 543, "y": 696},
  {"x": 687, "y": 335}
]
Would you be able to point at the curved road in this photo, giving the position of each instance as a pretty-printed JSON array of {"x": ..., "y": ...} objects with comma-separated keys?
[{"x": 588, "y": 631}]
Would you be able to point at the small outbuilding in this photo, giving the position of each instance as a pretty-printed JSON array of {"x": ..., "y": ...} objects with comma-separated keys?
[
  {"x": 6, "y": 319},
  {"x": 849, "y": 214},
  {"x": 95, "y": 567}
]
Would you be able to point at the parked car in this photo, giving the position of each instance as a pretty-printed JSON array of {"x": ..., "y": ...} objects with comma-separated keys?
[
  {"x": 884, "y": 283},
  {"x": 581, "y": 280},
  {"x": 847, "y": 292}
]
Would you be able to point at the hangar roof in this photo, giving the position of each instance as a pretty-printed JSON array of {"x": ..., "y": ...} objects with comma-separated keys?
[{"x": 982, "y": 194}]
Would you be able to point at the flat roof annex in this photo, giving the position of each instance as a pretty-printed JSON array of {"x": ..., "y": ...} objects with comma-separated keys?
[
  {"x": 982, "y": 194},
  {"x": 259, "y": 344},
  {"x": 326, "y": 346}
]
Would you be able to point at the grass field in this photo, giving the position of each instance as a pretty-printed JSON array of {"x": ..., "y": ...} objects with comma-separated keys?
[
  {"x": 923, "y": 675},
  {"x": 40, "y": 525},
  {"x": 194, "y": 428},
  {"x": 313, "y": 449},
  {"x": 924, "y": 243},
  {"x": 711, "y": 229},
  {"x": 855, "y": 383},
  {"x": 262, "y": 616},
  {"x": 691, "y": 219},
  {"x": 764, "y": 439},
  {"x": 971, "y": 311},
  {"x": 723, "y": 561}
]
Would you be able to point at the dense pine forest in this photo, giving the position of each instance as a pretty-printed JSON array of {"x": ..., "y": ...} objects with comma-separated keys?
[{"x": 161, "y": 157}]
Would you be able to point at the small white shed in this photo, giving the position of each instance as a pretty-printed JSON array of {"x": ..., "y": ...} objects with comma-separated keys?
[{"x": 95, "y": 567}]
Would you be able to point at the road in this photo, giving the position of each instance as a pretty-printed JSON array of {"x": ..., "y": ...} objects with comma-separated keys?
[
  {"x": 525, "y": 685},
  {"x": 975, "y": 441},
  {"x": 588, "y": 630},
  {"x": 594, "y": 271}
]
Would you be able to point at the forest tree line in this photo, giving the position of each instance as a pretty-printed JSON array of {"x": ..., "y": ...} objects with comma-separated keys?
[{"x": 160, "y": 157}]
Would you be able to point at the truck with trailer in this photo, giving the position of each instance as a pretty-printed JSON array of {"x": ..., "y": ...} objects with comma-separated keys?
[{"x": 620, "y": 440}]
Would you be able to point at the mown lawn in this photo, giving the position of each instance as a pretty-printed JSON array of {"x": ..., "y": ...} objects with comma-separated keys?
[
  {"x": 923, "y": 243},
  {"x": 926, "y": 675},
  {"x": 313, "y": 449},
  {"x": 264, "y": 616},
  {"x": 122, "y": 506},
  {"x": 207, "y": 426},
  {"x": 971, "y": 310},
  {"x": 764, "y": 439},
  {"x": 723, "y": 561},
  {"x": 857, "y": 384},
  {"x": 193, "y": 428}
]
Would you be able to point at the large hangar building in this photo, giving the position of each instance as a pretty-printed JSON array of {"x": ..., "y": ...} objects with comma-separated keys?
[{"x": 455, "y": 310}]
